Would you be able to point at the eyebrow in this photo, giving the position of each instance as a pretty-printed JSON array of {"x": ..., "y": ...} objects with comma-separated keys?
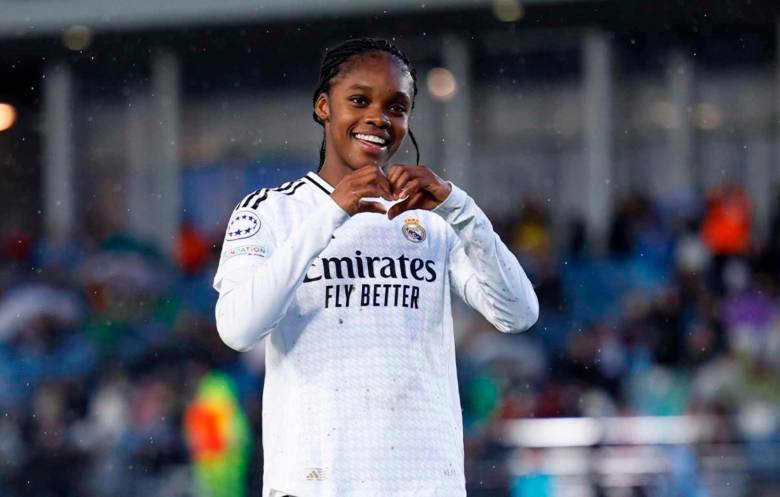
[{"x": 357, "y": 86}]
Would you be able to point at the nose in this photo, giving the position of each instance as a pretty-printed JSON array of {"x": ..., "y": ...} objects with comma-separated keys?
[{"x": 377, "y": 117}]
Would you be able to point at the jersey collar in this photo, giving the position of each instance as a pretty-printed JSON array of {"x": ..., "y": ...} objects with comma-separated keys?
[{"x": 319, "y": 182}]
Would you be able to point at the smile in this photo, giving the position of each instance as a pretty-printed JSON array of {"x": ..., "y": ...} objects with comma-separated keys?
[{"x": 372, "y": 139}]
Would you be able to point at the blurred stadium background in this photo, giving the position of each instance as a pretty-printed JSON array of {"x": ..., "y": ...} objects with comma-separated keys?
[{"x": 627, "y": 151}]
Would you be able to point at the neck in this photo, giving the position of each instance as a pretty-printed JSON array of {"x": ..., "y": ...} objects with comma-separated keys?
[{"x": 333, "y": 173}]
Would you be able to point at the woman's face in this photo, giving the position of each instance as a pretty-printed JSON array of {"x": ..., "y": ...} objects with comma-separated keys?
[{"x": 366, "y": 110}]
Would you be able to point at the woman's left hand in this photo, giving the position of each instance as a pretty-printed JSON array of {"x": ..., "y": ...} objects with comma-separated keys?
[{"x": 420, "y": 186}]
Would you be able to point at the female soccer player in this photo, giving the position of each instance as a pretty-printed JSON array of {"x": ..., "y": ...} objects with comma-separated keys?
[{"x": 348, "y": 271}]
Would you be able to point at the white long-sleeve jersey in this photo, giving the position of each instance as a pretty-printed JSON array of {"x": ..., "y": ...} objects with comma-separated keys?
[{"x": 361, "y": 394}]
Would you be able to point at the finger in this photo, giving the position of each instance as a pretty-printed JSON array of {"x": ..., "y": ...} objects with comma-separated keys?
[
  {"x": 373, "y": 175},
  {"x": 401, "y": 180},
  {"x": 372, "y": 190},
  {"x": 395, "y": 171},
  {"x": 397, "y": 209},
  {"x": 384, "y": 185},
  {"x": 410, "y": 188},
  {"x": 375, "y": 170},
  {"x": 411, "y": 203},
  {"x": 392, "y": 173},
  {"x": 364, "y": 169},
  {"x": 367, "y": 173},
  {"x": 422, "y": 173},
  {"x": 416, "y": 200},
  {"x": 371, "y": 207},
  {"x": 364, "y": 172}
]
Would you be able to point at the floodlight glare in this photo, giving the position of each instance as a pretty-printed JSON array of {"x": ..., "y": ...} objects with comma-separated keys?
[
  {"x": 7, "y": 116},
  {"x": 708, "y": 116},
  {"x": 77, "y": 37},
  {"x": 441, "y": 83},
  {"x": 508, "y": 10}
]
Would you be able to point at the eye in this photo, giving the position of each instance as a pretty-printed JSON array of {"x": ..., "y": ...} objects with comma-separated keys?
[
  {"x": 358, "y": 100},
  {"x": 398, "y": 108}
]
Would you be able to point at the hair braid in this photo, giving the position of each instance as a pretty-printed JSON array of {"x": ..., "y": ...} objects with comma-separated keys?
[{"x": 341, "y": 53}]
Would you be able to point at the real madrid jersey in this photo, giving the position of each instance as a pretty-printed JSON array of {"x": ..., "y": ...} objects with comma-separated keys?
[{"x": 361, "y": 395}]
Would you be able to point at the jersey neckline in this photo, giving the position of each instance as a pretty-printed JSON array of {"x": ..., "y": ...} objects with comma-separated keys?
[{"x": 319, "y": 182}]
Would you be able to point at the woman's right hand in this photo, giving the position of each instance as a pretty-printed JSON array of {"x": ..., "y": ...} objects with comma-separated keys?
[{"x": 368, "y": 181}]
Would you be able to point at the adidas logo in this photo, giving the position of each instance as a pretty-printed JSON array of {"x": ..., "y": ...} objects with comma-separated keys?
[{"x": 315, "y": 474}]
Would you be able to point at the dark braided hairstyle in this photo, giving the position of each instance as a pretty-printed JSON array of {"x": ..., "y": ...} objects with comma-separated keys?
[{"x": 341, "y": 53}]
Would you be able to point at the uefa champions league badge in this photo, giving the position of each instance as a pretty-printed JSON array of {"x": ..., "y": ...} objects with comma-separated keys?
[
  {"x": 243, "y": 224},
  {"x": 412, "y": 230}
]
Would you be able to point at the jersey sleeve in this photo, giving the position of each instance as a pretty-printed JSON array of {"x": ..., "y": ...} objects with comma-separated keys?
[
  {"x": 483, "y": 271},
  {"x": 259, "y": 271},
  {"x": 248, "y": 242}
]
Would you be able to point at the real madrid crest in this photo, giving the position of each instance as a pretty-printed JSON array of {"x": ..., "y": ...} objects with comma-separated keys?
[{"x": 412, "y": 230}]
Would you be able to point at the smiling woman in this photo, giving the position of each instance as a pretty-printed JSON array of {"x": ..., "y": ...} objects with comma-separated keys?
[
  {"x": 337, "y": 74},
  {"x": 365, "y": 112},
  {"x": 349, "y": 270}
]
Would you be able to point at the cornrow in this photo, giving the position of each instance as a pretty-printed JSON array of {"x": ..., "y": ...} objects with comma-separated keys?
[{"x": 341, "y": 53}]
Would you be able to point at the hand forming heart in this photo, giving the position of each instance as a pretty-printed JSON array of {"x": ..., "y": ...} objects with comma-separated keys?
[
  {"x": 417, "y": 186},
  {"x": 420, "y": 188}
]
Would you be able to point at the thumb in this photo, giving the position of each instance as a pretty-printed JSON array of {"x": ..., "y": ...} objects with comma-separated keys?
[
  {"x": 398, "y": 208},
  {"x": 371, "y": 207}
]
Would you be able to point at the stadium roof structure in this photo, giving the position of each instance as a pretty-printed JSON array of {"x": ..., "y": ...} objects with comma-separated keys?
[{"x": 31, "y": 18}]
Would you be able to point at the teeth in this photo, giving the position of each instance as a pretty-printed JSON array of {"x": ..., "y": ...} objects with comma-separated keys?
[{"x": 371, "y": 138}]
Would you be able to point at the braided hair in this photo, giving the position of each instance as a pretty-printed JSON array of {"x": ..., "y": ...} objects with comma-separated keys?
[{"x": 341, "y": 53}]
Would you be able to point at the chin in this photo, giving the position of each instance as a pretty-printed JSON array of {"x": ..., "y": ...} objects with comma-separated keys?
[
  {"x": 359, "y": 157},
  {"x": 361, "y": 160}
]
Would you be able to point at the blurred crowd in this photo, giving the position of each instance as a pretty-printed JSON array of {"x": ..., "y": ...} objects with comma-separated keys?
[
  {"x": 678, "y": 315},
  {"x": 104, "y": 342}
]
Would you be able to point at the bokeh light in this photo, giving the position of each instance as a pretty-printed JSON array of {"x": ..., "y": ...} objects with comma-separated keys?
[
  {"x": 708, "y": 116},
  {"x": 508, "y": 10},
  {"x": 666, "y": 115},
  {"x": 441, "y": 83},
  {"x": 7, "y": 116},
  {"x": 77, "y": 37}
]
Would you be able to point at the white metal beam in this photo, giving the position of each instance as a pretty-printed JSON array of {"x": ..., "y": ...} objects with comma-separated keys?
[
  {"x": 45, "y": 17},
  {"x": 58, "y": 185},
  {"x": 598, "y": 138},
  {"x": 165, "y": 108},
  {"x": 678, "y": 175},
  {"x": 456, "y": 122}
]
